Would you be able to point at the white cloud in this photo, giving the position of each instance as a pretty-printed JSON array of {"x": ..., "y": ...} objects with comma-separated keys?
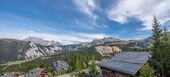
[
  {"x": 68, "y": 38},
  {"x": 142, "y": 10},
  {"x": 90, "y": 25},
  {"x": 87, "y": 7},
  {"x": 20, "y": 28}
]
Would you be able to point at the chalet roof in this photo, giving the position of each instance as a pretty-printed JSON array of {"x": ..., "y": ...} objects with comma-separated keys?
[
  {"x": 126, "y": 62},
  {"x": 58, "y": 65}
]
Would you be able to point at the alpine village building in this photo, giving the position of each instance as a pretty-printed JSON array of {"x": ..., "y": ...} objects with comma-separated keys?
[{"x": 124, "y": 64}]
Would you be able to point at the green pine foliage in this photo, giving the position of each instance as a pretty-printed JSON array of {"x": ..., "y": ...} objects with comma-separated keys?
[
  {"x": 160, "y": 49},
  {"x": 77, "y": 61},
  {"x": 147, "y": 71},
  {"x": 93, "y": 71}
]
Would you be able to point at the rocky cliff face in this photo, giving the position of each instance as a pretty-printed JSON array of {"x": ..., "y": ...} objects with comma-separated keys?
[
  {"x": 106, "y": 50},
  {"x": 37, "y": 51},
  {"x": 12, "y": 49}
]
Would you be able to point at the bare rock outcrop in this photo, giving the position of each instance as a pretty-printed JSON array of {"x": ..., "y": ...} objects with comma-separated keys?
[{"x": 106, "y": 50}]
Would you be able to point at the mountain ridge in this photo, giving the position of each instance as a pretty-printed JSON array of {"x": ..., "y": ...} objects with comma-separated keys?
[
  {"x": 13, "y": 49},
  {"x": 42, "y": 41}
]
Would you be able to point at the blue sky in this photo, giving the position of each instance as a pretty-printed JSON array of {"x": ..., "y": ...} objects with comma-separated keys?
[{"x": 72, "y": 21}]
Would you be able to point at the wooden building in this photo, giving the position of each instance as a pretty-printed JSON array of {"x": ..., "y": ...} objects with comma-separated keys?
[{"x": 124, "y": 64}]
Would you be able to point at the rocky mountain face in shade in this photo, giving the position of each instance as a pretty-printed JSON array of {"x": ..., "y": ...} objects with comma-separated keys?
[{"x": 12, "y": 49}]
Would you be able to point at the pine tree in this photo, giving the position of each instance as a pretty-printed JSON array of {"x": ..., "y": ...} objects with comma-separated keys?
[
  {"x": 156, "y": 48},
  {"x": 159, "y": 46},
  {"x": 93, "y": 69},
  {"x": 157, "y": 34}
]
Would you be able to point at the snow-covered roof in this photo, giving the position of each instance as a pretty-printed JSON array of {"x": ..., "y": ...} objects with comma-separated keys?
[{"x": 126, "y": 62}]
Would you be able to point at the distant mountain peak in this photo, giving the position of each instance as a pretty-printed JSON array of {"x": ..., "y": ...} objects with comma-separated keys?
[
  {"x": 33, "y": 38},
  {"x": 104, "y": 40},
  {"x": 41, "y": 41}
]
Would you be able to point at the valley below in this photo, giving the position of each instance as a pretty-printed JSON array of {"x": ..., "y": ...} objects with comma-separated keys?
[{"x": 25, "y": 55}]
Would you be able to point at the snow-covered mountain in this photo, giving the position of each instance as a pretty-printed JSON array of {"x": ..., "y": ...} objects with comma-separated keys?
[{"x": 43, "y": 42}]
